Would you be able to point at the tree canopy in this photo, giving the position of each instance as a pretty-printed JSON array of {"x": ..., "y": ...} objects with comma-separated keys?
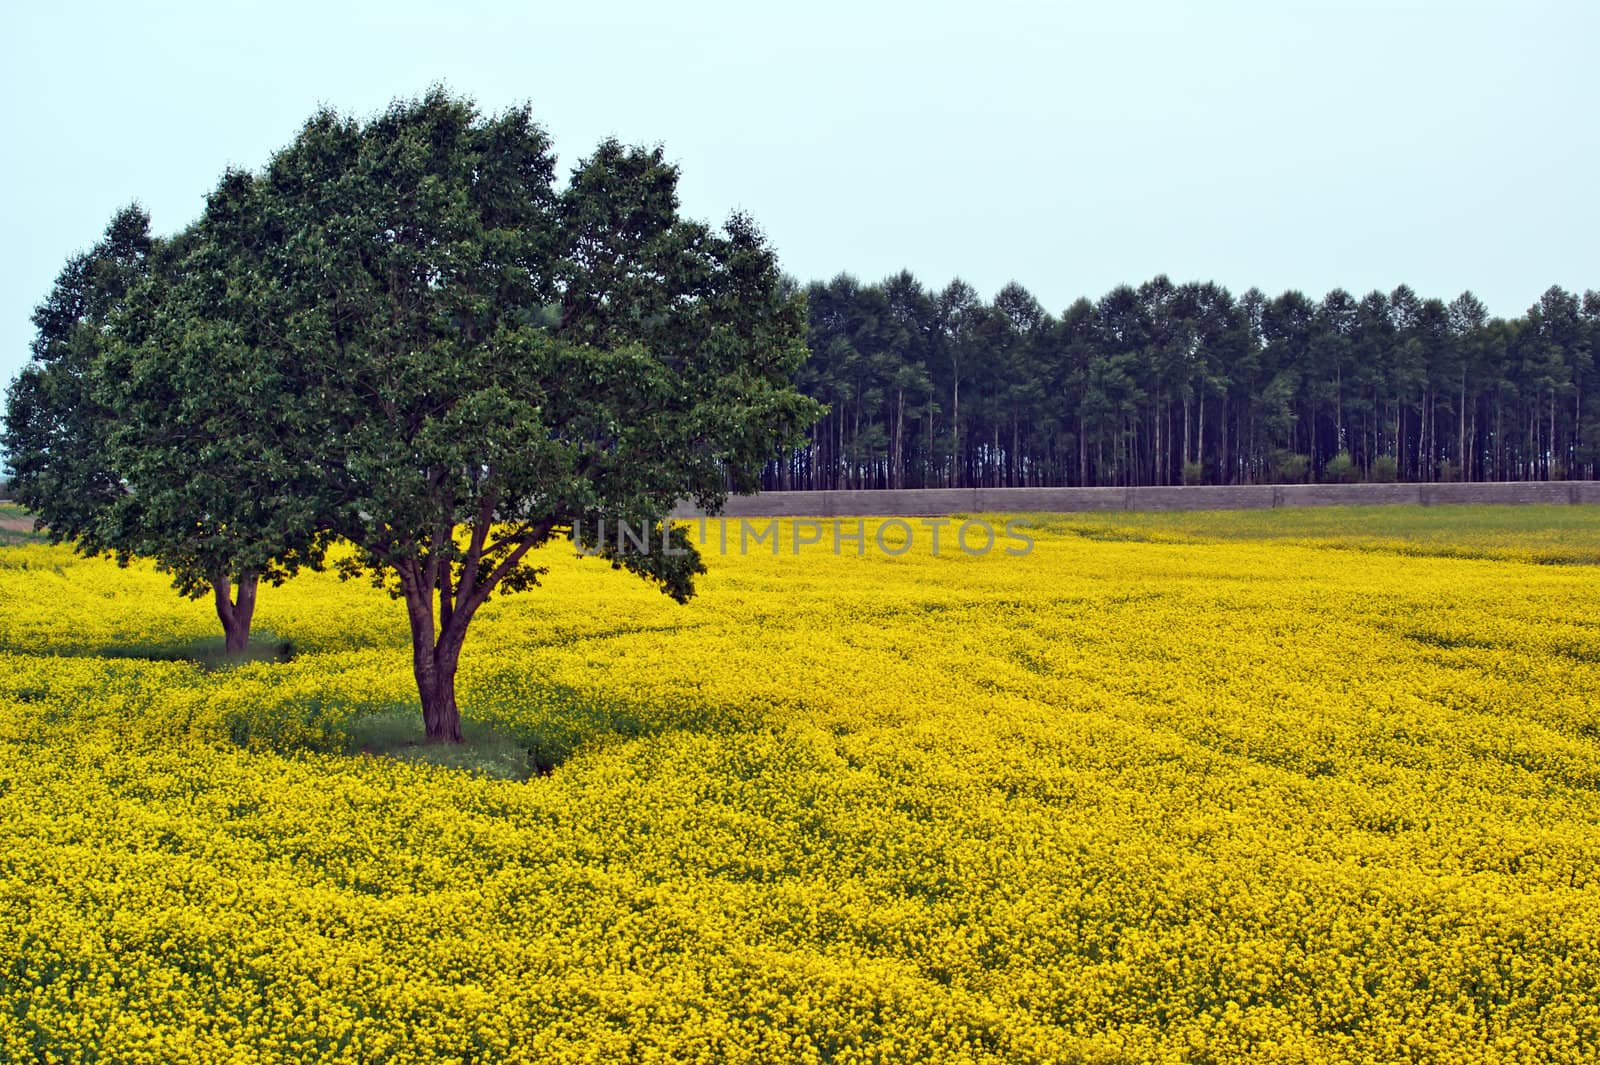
[
  {"x": 111, "y": 467},
  {"x": 56, "y": 427},
  {"x": 448, "y": 361}
]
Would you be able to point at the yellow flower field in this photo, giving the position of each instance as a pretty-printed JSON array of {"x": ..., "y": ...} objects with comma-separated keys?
[{"x": 1286, "y": 787}]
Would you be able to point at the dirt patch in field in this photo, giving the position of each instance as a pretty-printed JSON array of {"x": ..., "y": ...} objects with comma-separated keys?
[{"x": 21, "y": 525}]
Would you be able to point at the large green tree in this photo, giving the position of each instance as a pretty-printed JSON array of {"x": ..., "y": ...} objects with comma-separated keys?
[
  {"x": 465, "y": 362},
  {"x": 96, "y": 444},
  {"x": 55, "y": 427}
]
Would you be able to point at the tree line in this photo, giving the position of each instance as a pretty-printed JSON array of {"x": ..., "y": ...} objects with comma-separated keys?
[{"x": 1186, "y": 384}]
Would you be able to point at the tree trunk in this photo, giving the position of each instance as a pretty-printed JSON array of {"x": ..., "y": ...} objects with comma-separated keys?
[
  {"x": 1424, "y": 459},
  {"x": 838, "y": 453},
  {"x": 955, "y": 427},
  {"x": 1185, "y": 432},
  {"x": 1399, "y": 441},
  {"x": 1157, "y": 470},
  {"x": 991, "y": 468},
  {"x": 1338, "y": 423},
  {"x": 235, "y": 612},
  {"x": 1224, "y": 471},
  {"x": 1577, "y": 431},
  {"x": 1083, "y": 452},
  {"x": 1014, "y": 460},
  {"x": 460, "y": 591},
  {"x": 1550, "y": 451},
  {"x": 1499, "y": 439},
  {"x": 434, "y": 658},
  {"x": 436, "y": 683},
  {"x": 897, "y": 477},
  {"x": 1472, "y": 435}
]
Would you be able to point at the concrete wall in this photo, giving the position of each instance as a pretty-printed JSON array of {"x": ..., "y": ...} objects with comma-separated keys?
[{"x": 932, "y": 502}]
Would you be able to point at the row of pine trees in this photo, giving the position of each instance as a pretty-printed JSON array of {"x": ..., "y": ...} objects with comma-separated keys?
[{"x": 1175, "y": 384}]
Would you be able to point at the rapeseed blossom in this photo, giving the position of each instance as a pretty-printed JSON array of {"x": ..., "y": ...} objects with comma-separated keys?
[{"x": 1164, "y": 789}]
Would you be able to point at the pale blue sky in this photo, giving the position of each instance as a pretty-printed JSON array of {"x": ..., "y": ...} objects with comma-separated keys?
[{"x": 1068, "y": 146}]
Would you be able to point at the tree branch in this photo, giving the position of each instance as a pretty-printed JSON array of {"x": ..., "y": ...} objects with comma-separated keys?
[
  {"x": 475, "y": 552},
  {"x": 532, "y": 539},
  {"x": 447, "y": 603}
]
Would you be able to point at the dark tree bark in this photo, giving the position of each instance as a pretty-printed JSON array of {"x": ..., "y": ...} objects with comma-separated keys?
[
  {"x": 459, "y": 588},
  {"x": 235, "y": 611},
  {"x": 434, "y": 664},
  {"x": 434, "y": 656}
]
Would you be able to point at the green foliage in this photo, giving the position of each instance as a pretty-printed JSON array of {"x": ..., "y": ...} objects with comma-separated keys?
[
  {"x": 56, "y": 426},
  {"x": 399, "y": 333},
  {"x": 95, "y": 439},
  {"x": 1341, "y": 469},
  {"x": 1385, "y": 469},
  {"x": 196, "y": 439},
  {"x": 417, "y": 368},
  {"x": 934, "y": 388},
  {"x": 1194, "y": 473},
  {"x": 1287, "y": 467}
]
